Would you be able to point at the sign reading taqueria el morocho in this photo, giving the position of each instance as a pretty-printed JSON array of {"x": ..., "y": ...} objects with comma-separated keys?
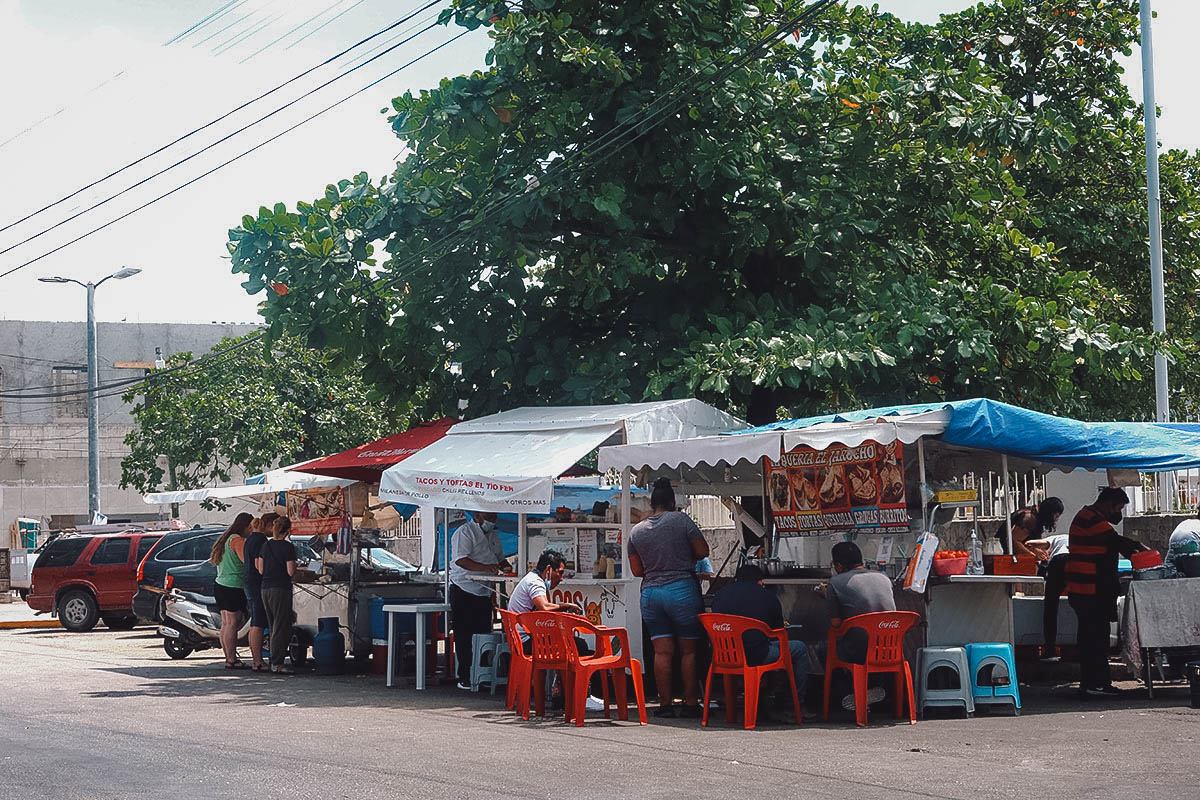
[{"x": 838, "y": 489}]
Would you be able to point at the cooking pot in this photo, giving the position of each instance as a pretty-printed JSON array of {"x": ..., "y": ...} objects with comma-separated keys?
[
  {"x": 1149, "y": 574},
  {"x": 1188, "y": 565},
  {"x": 1145, "y": 559}
]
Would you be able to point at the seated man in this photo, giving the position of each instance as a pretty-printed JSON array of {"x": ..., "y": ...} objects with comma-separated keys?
[
  {"x": 747, "y": 597},
  {"x": 854, "y": 590}
]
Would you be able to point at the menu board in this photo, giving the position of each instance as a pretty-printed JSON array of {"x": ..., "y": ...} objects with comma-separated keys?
[
  {"x": 316, "y": 511},
  {"x": 838, "y": 489}
]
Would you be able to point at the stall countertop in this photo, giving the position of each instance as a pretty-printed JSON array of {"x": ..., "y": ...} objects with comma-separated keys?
[
  {"x": 986, "y": 579},
  {"x": 487, "y": 577},
  {"x": 795, "y": 581}
]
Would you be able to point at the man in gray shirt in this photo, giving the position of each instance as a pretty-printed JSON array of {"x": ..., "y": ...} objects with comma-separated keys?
[{"x": 855, "y": 590}]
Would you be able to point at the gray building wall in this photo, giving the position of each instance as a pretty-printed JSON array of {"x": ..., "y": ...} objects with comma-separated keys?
[{"x": 43, "y": 442}]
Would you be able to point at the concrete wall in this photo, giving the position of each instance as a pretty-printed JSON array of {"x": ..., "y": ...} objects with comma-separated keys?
[
  {"x": 1153, "y": 530},
  {"x": 43, "y": 441}
]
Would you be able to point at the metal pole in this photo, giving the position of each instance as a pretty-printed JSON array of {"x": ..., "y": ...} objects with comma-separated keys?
[
  {"x": 92, "y": 408},
  {"x": 1004, "y": 497},
  {"x": 1150, "y": 112}
]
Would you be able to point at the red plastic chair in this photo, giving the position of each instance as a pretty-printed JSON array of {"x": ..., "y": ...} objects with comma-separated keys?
[
  {"x": 520, "y": 669},
  {"x": 885, "y": 653},
  {"x": 605, "y": 660},
  {"x": 549, "y": 652},
  {"x": 729, "y": 659}
]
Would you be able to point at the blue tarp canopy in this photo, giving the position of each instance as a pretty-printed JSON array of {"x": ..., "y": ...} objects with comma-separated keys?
[{"x": 1002, "y": 428}]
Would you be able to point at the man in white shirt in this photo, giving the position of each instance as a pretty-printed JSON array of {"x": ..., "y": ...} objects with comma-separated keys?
[
  {"x": 1185, "y": 540},
  {"x": 532, "y": 593},
  {"x": 470, "y": 600}
]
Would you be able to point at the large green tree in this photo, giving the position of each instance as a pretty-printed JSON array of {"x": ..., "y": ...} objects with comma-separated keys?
[
  {"x": 245, "y": 410},
  {"x": 877, "y": 212}
]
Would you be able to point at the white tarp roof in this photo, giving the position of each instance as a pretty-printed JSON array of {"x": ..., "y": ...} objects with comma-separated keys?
[
  {"x": 284, "y": 479},
  {"x": 884, "y": 430},
  {"x": 507, "y": 462}
]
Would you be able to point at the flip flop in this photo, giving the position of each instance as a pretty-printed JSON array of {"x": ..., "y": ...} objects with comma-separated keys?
[
  {"x": 260, "y": 668},
  {"x": 282, "y": 671},
  {"x": 237, "y": 664}
]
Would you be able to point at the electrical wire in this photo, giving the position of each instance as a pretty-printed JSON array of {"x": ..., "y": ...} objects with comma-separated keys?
[
  {"x": 405, "y": 18},
  {"x": 215, "y": 34},
  {"x": 279, "y": 39},
  {"x": 246, "y": 35},
  {"x": 241, "y": 155},
  {"x": 323, "y": 24},
  {"x": 61, "y": 109},
  {"x": 195, "y": 26}
]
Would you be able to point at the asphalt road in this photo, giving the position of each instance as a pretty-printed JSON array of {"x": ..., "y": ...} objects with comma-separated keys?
[{"x": 107, "y": 715}]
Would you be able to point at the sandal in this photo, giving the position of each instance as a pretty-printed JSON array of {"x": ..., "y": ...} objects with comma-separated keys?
[
  {"x": 282, "y": 671},
  {"x": 260, "y": 668},
  {"x": 237, "y": 663}
]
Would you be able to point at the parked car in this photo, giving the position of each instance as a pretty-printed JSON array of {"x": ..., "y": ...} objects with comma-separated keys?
[
  {"x": 175, "y": 549},
  {"x": 86, "y": 578},
  {"x": 201, "y": 577}
]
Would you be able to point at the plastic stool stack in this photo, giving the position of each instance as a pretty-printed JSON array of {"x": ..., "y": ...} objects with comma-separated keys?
[
  {"x": 994, "y": 675},
  {"x": 486, "y": 650},
  {"x": 961, "y": 695}
]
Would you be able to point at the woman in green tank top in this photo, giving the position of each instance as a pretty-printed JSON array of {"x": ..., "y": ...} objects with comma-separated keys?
[{"x": 229, "y": 592}]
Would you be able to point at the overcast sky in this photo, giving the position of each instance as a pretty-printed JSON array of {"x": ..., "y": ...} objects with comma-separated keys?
[{"x": 90, "y": 86}]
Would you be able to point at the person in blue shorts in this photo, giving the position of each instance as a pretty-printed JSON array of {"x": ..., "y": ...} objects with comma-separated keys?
[{"x": 663, "y": 551}]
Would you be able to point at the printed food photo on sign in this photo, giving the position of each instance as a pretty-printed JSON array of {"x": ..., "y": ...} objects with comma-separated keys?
[
  {"x": 864, "y": 491},
  {"x": 804, "y": 489},
  {"x": 832, "y": 487},
  {"x": 780, "y": 491},
  {"x": 891, "y": 478}
]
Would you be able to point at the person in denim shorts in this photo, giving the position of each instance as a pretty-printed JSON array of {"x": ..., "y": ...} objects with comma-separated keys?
[{"x": 663, "y": 551}]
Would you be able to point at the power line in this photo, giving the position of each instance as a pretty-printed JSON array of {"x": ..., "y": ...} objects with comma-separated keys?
[
  {"x": 224, "y": 116},
  {"x": 233, "y": 42},
  {"x": 241, "y": 155},
  {"x": 201, "y": 23},
  {"x": 323, "y": 24},
  {"x": 279, "y": 39},
  {"x": 215, "y": 34}
]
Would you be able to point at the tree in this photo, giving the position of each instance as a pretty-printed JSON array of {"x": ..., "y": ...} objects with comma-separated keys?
[
  {"x": 248, "y": 410},
  {"x": 883, "y": 211}
]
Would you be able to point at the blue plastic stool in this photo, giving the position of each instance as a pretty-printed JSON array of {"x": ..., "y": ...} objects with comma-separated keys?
[
  {"x": 994, "y": 674},
  {"x": 946, "y": 658}
]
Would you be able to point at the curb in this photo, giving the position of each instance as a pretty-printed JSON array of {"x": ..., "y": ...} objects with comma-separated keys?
[{"x": 30, "y": 623}]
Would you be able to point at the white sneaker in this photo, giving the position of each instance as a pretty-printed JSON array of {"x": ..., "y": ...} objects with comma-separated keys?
[
  {"x": 594, "y": 703},
  {"x": 874, "y": 695},
  {"x": 466, "y": 687}
]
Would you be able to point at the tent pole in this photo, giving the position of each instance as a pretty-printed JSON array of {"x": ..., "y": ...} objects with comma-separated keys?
[
  {"x": 445, "y": 555},
  {"x": 922, "y": 488},
  {"x": 522, "y": 545},
  {"x": 1004, "y": 497},
  {"x": 626, "y": 522}
]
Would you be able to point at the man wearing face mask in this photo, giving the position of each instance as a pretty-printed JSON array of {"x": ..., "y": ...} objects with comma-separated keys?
[
  {"x": 1092, "y": 585},
  {"x": 470, "y": 600}
]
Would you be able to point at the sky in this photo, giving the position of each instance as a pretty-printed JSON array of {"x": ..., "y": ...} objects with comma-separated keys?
[{"x": 92, "y": 85}]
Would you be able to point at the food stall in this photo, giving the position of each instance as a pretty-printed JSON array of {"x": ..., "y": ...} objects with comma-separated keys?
[
  {"x": 873, "y": 474},
  {"x": 509, "y": 462}
]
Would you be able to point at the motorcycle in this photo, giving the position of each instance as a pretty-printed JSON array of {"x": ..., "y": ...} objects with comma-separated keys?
[{"x": 192, "y": 622}]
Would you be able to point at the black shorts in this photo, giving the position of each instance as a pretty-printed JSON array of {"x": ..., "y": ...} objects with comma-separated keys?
[
  {"x": 229, "y": 599},
  {"x": 254, "y": 604}
]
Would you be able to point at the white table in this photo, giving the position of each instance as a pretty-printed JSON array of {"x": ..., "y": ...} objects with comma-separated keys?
[
  {"x": 971, "y": 608},
  {"x": 422, "y": 612}
]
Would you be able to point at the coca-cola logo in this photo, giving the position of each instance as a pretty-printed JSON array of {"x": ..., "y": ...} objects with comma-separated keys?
[
  {"x": 722, "y": 626},
  {"x": 892, "y": 624},
  {"x": 546, "y": 623}
]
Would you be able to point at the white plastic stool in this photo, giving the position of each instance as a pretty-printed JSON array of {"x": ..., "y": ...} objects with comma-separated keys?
[
  {"x": 486, "y": 650},
  {"x": 952, "y": 658}
]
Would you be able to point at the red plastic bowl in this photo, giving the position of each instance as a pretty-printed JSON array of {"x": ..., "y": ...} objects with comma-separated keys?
[
  {"x": 1146, "y": 559},
  {"x": 949, "y": 566}
]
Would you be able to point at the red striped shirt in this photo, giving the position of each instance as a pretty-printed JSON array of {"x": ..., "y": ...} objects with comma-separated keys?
[{"x": 1092, "y": 555}]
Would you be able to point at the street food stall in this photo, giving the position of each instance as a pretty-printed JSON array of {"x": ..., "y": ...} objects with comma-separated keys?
[
  {"x": 509, "y": 462},
  {"x": 891, "y": 475}
]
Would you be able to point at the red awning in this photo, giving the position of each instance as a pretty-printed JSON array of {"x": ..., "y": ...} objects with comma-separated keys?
[{"x": 367, "y": 461}]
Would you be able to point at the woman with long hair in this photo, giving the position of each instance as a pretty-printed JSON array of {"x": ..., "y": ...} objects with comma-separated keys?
[
  {"x": 226, "y": 556},
  {"x": 276, "y": 563},
  {"x": 1032, "y": 523}
]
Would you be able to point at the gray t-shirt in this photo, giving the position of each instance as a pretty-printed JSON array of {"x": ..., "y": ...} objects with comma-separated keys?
[
  {"x": 664, "y": 545},
  {"x": 859, "y": 591}
]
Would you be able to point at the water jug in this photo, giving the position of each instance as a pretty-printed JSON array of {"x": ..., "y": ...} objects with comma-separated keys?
[{"x": 329, "y": 647}]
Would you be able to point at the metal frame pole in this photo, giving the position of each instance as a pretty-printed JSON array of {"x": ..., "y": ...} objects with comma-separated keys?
[{"x": 1005, "y": 500}]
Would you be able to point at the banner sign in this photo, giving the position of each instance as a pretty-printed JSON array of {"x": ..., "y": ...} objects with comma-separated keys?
[
  {"x": 522, "y": 495},
  {"x": 316, "y": 512},
  {"x": 838, "y": 490}
]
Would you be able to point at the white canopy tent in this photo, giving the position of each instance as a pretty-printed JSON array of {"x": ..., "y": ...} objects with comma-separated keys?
[
  {"x": 508, "y": 462},
  {"x": 284, "y": 479}
]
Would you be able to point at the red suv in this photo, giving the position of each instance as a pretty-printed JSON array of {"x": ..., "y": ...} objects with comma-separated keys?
[{"x": 85, "y": 578}]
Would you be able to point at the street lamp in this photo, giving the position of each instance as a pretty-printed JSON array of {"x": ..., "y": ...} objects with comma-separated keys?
[{"x": 92, "y": 399}]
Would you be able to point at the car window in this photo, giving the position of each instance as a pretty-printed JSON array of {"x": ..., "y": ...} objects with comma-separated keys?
[
  {"x": 62, "y": 552},
  {"x": 200, "y": 548},
  {"x": 112, "y": 551},
  {"x": 196, "y": 548},
  {"x": 144, "y": 546}
]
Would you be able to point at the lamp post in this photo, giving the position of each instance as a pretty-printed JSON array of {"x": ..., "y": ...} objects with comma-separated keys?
[{"x": 92, "y": 399}]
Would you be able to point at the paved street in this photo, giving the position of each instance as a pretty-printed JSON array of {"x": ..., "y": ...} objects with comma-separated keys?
[{"x": 107, "y": 715}]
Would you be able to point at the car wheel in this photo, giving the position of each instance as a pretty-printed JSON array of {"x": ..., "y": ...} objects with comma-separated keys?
[
  {"x": 176, "y": 649},
  {"x": 77, "y": 611},
  {"x": 119, "y": 622},
  {"x": 23, "y": 593}
]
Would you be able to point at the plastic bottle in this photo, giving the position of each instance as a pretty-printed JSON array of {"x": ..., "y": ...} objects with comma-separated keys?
[{"x": 975, "y": 556}]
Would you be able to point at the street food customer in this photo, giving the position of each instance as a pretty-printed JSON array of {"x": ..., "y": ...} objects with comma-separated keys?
[
  {"x": 663, "y": 551},
  {"x": 277, "y": 564},
  {"x": 259, "y": 529},
  {"x": 854, "y": 590},
  {"x": 226, "y": 556},
  {"x": 1092, "y": 585},
  {"x": 1184, "y": 541},
  {"x": 470, "y": 600}
]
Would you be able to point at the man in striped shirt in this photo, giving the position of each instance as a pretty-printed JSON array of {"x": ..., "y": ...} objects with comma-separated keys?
[{"x": 1092, "y": 585}]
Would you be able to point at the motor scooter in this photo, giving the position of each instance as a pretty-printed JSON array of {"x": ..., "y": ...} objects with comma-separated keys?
[{"x": 192, "y": 622}]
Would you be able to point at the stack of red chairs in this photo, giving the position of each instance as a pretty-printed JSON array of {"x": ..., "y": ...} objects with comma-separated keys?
[
  {"x": 885, "y": 653},
  {"x": 520, "y": 669},
  {"x": 729, "y": 660}
]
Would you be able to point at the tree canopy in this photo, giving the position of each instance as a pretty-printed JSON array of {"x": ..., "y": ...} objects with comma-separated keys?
[
  {"x": 878, "y": 211},
  {"x": 248, "y": 410}
]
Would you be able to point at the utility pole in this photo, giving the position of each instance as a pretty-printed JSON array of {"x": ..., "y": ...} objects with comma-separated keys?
[
  {"x": 93, "y": 401},
  {"x": 1162, "y": 401}
]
